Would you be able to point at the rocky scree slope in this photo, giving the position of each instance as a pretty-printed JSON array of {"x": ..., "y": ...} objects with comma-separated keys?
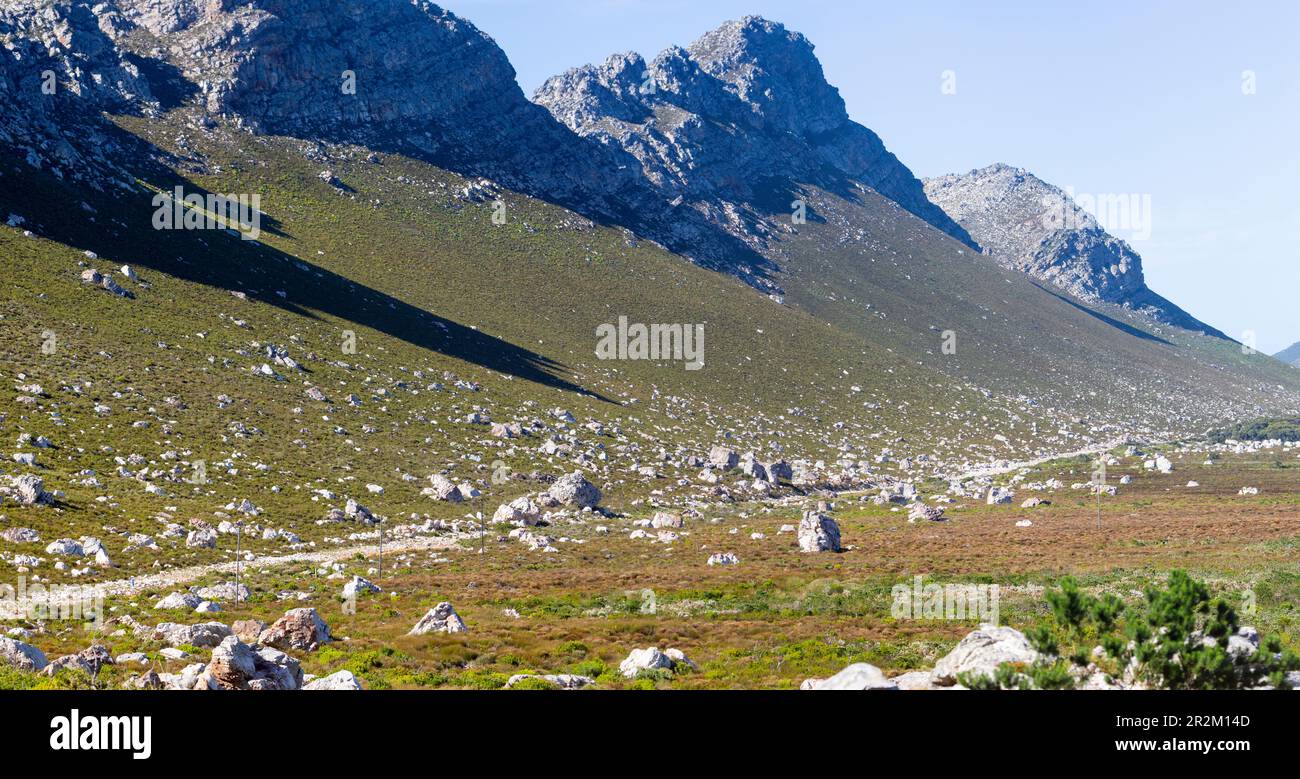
[{"x": 1028, "y": 225}]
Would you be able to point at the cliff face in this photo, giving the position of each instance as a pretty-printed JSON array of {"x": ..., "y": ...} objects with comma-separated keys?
[
  {"x": 1031, "y": 226},
  {"x": 729, "y": 122},
  {"x": 59, "y": 68}
]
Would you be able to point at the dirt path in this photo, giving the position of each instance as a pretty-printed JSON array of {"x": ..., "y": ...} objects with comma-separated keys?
[
  {"x": 1015, "y": 466},
  {"x": 9, "y": 607}
]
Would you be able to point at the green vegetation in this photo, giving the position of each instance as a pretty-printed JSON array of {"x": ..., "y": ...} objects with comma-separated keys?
[
  {"x": 1279, "y": 429},
  {"x": 1180, "y": 638}
]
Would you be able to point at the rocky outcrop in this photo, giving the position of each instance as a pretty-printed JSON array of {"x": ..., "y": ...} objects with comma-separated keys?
[
  {"x": 730, "y": 125},
  {"x": 1028, "y": 225}
]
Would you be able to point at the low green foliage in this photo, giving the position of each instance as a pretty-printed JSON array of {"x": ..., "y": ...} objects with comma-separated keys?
[
  {"x": 1177, "y": 639},
  {"x": 1283, "y": 428}
]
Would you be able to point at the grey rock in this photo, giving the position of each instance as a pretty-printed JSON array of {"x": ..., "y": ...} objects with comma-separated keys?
[
  {"x": 339, "y": 680},
  {"x": 817, "y": 532},
  {"x": 21, "y": 655},
  {"x": 439, "y": 619},
  {"x": 859, "y": 676},
  {"x": 981, "y": 652},
  {"x": 573, "y": 489}
]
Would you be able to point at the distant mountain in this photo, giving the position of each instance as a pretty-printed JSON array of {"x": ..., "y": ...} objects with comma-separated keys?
[
  {"x": 1291, "y": 354},
  {"x": 1029, "y": 225}
]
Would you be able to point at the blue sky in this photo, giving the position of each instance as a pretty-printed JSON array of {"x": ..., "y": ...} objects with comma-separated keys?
[{"x": 1141, "y": 98}]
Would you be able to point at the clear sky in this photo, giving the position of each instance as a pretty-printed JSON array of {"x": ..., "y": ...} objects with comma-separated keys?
[{"x": 1111, "y": 97}]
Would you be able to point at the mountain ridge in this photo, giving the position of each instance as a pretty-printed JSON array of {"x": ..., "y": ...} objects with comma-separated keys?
[
  {"x": 1029, "y": 225},
  {"x": 738, "y": 116},
  {"x": 1291, "y": 354}
]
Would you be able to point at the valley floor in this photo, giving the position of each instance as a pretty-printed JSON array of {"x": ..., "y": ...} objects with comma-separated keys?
[{"x": 777, "y": 617}]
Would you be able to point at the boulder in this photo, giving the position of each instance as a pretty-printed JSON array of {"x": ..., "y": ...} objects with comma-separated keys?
[
  {"x": 818, "y": 533},
  {"x": 236, "y": 666},
  {"x": 664, "y": 519},
  {"x": 300, "y": 629},
  {"x": 574, "y": 490},
  {"x": 204, "y": 634},
  {"x": 179, "y": 600},
  {"x": 21, "y": 535},
  {"x": 445, "y": 489},
  {"x": 559, "y": 681},
  {"x": 859, "y": 676},
  {"x": 248, "y": 630},
  {"x": 358, "y": 587},
  {"x": 981, "y": 652},
  {"x": 439, "y": 619},
  {"x": 639, "y": 660},
  {"x": 723, "y": 459},
  {"x": 339, "y": 680},
  {"x": 1000, "y": 495},
  {"x": 21, "y": 655}
]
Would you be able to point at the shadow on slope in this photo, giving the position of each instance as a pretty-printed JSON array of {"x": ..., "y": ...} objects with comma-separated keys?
[
  {"x": 1115, "y": 323},
  {"x": 219, "y": 259}
]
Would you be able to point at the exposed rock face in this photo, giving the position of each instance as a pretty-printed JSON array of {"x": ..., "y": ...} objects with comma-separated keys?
[
  {"x": 729, "y": 124},
  {"x": 59, "y": 68},
  {"x": 1028, "y": 225}
]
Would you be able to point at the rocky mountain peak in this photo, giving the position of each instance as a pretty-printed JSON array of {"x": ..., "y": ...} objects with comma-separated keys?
[
  {"x": 742, "y": 112},
  {"x": 774, "y": 70},
  {"x": 1029, "y": 225}
]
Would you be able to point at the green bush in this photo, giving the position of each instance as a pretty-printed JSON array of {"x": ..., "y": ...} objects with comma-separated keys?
[{"x": 1177, "y": 639}]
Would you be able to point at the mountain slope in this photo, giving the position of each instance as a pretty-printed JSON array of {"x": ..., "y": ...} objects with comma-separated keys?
[
  {"x": 1029, "y": 225},
  {"x": 1291, "y": 354},
  {"x": 367, "y": 226}
]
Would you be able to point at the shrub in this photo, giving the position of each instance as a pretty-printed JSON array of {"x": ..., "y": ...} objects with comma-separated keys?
[{"x": 1177, "y": 639}]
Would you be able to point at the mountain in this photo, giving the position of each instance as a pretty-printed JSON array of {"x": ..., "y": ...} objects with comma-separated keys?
[
  {"x": 1028, "y": 225},
  {"x": 456, "y": 229},
  {"x": 732, "y": 122},
  {"x": 1291, "y": 354},
  {"x": 408, "y": 78}
]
